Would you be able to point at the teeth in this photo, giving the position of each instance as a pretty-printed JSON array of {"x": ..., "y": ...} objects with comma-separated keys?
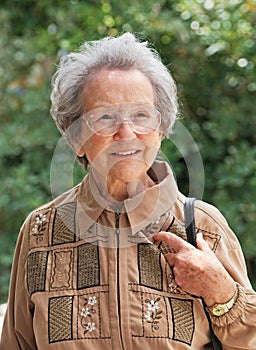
[{"x": 125, "y": 153}]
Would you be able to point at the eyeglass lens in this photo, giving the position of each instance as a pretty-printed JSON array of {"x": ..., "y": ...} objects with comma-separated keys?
[{"x": 144, "y": 119}]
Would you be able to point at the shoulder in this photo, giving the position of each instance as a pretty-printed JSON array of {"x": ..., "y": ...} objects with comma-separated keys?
[
  {"x": 55, "y": 216},
  {"x": 207, "y": 216},
  {"x": 211, "y": 222}
]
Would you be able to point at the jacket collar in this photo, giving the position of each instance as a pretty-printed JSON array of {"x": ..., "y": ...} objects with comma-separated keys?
[{"x": 141, "y": 209}]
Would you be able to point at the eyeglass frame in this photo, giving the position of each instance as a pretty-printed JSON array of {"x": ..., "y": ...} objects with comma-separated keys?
[{"x": 121, "y": 120}]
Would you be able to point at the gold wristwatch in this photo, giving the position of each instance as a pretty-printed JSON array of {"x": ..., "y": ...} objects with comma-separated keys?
[{"x": 222, "y": 309}]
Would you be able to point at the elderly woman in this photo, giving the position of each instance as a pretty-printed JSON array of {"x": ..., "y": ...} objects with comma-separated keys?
[{"x": 106, "y": 265}]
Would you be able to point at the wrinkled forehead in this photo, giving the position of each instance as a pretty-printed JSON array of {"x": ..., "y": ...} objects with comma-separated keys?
[{"x": 124, "y": 107}]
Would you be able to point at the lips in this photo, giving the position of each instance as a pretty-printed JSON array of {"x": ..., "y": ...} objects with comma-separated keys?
[
  {"x": 125, "y": 153},
  {"x": 126, "y": 149}
]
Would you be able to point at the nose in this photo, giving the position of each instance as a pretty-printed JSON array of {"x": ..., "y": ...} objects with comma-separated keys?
[{"x": 125, "y": 132}]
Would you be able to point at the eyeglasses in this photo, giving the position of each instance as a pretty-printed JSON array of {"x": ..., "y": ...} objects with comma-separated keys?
[{"x": 105, "y": 121}]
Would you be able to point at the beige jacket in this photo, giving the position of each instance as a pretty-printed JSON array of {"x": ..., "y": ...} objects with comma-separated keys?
[{"x": 86, "y": 277}]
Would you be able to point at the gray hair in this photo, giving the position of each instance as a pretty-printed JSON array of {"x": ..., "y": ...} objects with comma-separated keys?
[{"x": 124, "y": 52}]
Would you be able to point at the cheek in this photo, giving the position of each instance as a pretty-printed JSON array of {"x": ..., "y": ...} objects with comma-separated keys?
[
  {"x": 153, "y": 139},
  {"x": 152, "y": 143},
  {"x": 94, "y": 147},
  {"x": 91, "y": 150}
]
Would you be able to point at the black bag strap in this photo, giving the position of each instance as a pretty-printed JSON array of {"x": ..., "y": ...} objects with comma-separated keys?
[{"x": 189, "y": 218}]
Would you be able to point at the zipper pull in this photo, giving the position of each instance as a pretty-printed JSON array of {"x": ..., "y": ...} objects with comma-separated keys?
[{"x": 117, "y": 216}]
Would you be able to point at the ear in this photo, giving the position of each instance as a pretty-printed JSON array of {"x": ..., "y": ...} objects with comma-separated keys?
[
  {"x": 80, "y": 152},
  {"x": 161, "y": 137},
  {"x": 78, "y": 149}
]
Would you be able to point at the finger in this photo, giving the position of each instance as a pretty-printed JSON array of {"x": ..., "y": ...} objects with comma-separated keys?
[
  {"x": 171, "y": 239},
  {"x": 170, "y": 258},
  {"x": 201, "y": 243}
]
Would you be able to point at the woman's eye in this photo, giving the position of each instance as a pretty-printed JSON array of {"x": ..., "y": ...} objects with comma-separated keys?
[
  {"x": 105, "y": 118},
  {"x": 141, "y": 115}
]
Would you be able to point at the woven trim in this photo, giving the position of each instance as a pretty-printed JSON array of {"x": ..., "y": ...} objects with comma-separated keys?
[
  {"x": 183, "y": 320},
  {"x": 150, "y": 272},
  {"x": 36, "y": 271},
  {"x": 88, "y": 266},
  {"x": 60, "y": 319},
  {"x": 64, "y": 229}
]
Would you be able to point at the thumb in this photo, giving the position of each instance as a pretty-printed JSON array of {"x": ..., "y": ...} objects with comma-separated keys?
[{"x": 201, "y": 243}]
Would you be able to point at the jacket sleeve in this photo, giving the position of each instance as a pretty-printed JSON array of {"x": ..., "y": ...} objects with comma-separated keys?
[
  {"x": 17, "y": 332},
  {"x": 237, "y": 328}
]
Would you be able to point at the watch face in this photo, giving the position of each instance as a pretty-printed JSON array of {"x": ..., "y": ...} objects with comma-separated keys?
[{"x": 219, "y": 310}]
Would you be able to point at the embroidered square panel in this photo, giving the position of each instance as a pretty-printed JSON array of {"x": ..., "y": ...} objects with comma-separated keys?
[
  {"x": 64, "y": 224},
  {"x": 62, "y": 270},
  {"x": 88, "y": 266},
  {"x": 150, "y": 271},
  {"x": 183, "y": 320},
  {"x": 36, "y": 271},
  {"x": 60, "y": 319}
]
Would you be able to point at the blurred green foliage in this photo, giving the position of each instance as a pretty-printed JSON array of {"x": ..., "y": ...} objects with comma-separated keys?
[{"x": 210, "y": 47}]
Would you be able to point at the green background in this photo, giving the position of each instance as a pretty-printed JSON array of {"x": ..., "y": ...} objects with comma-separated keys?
[{"x": 210, "y": 48}]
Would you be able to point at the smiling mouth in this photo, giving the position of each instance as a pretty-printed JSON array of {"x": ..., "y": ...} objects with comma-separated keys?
[{"x": 125, "y": 153}]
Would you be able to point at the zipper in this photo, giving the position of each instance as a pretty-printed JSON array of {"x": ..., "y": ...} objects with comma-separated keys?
[{"x": 117, "y": 231}]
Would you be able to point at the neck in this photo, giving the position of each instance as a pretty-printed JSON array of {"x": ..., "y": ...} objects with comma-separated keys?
[{"x": 119, "y": 190}]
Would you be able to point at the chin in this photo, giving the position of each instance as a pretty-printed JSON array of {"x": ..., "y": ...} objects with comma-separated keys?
[{"x": 128, "y": 172}]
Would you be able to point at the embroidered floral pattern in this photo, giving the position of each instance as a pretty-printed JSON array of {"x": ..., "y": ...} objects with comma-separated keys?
[
  {"x": 90, "y": 327},
  {"x": 153, "y": 314},
  {"x": 87, "y": 311},
  {"x": 39, "y": 227},
  {"x": 172, "y": 285}
]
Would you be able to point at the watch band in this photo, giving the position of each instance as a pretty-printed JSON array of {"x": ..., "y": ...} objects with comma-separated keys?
[{"x": 222, "y": 309}]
